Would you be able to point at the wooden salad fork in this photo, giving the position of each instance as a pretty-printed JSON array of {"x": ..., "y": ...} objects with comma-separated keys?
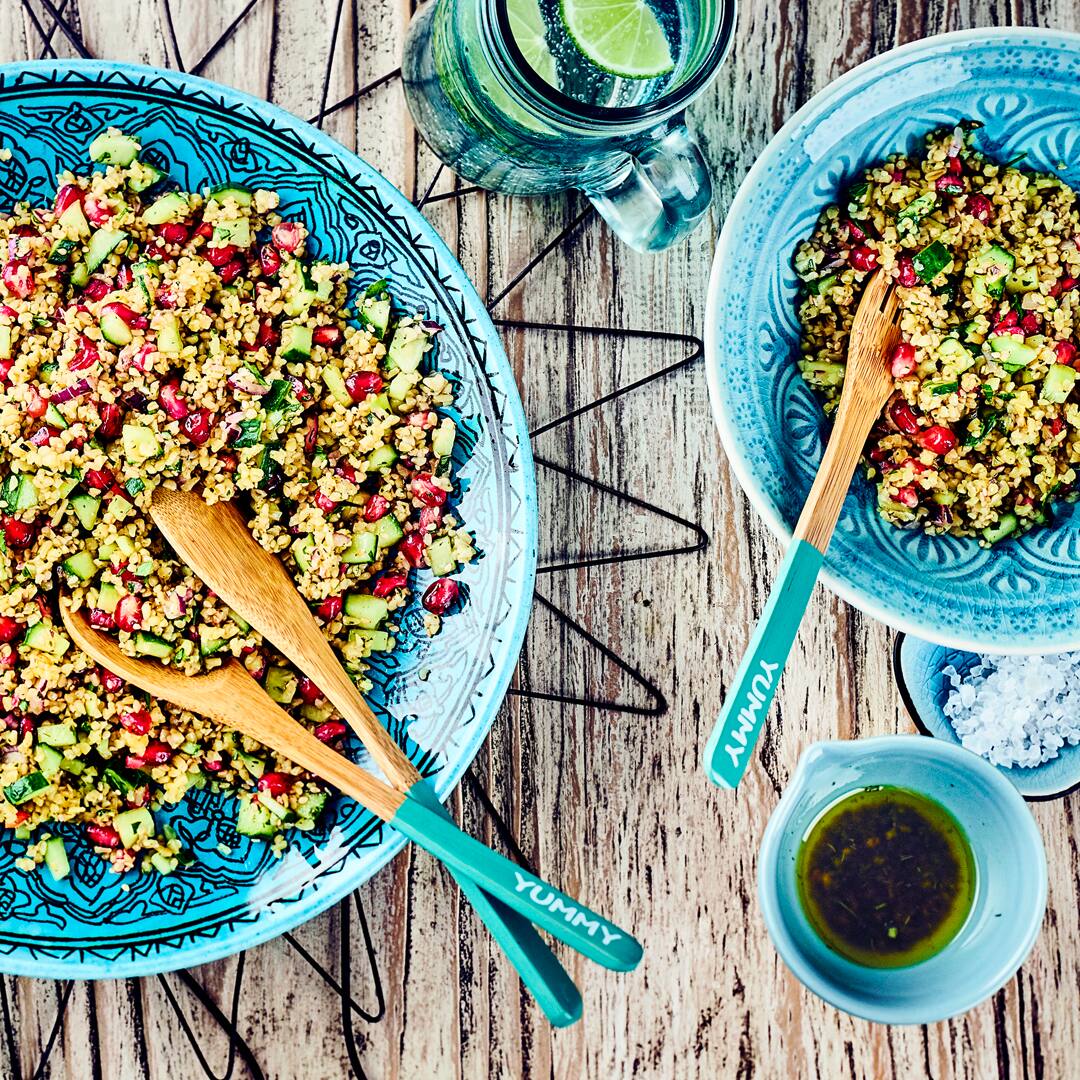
[
  {"x": 868, "y": 383},
  {"x": 216, "y": 543}
]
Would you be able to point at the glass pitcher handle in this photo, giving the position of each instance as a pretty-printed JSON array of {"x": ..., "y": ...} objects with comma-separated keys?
[{"x": 659, "y": 194}]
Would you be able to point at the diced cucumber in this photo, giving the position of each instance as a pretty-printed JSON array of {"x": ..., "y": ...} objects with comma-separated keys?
[
  {"x": 61, "y": 250},
  {"x": 271, "y": 804},
  {"x": 102, "y": 244},
  {"x": 281, "y": 685},
  {"x": 211, "y": 640},
  {"x": 80, "y": 565},
  {"x": 26, "y": 788},
  {"x": 381, "y": 459},
  {"x": 80, "y": 275},
  {"x": 375, "y": 312},
  {"x": 822, "y": 284},
  {"x": 940, "y": 389},
  {"x": 5, "y": 341},
  {"x": 388, "y": 530},
  {"x": 169, "y": 340},
  {"x": 918, "y": 208},
  {"x": 366, "y": 611},
  {"x": 172, "y": 206},
  {"x": 147, "y": 644},
  {"x": 134, "y": 486},
  {"x": 931, "y": 261},
  {"x": 113, "y": 328},
  {"x": 301, "y": 550},
  {"x": 228, "y": 233},
  {"x": 442, "y": 442},
  {"x": 237, "y": 192},
  {"x": 316, "y": 713},
  {"x": 162, "y": 863},
  {"x": 131, "y": 823},
  {"x": 119, "y": 780},
  {"x": 140, "y": 444},
  {"x": 1006, "y": 526},
  {"x": 1011, "y": 351},
  {"x": 1025, "y": 279},
  {"x": 313, "y": 806},
  {"x": 56, "y": 858},
  {"x": 113, "y": 147},
  {"x": 44, "y": 637},
  {"x": 147, "y": 274},
  {"x": 250, "y": 434},
  {"x": 145, "y": 178},
  {"x": 74, "y": 220},
  {"x": 18, "y": 493},
  {"x": 440, "y": 554},
  {"x": 23, "y": 832},
  {"x": 108, "y": 597},
  {"x": 296, "y": 343},
  {"x": 371, "y": 640},
  {"x": 336, "y": 385},
  {"x": 401, "y": 385},
  {"x": 253, "y": 819},
  {"x": 363, "y": 549},
  {"x": 407, "y": 348},
  {"x": 57, "y": 735},
  {"x": 73, "y": 766},
  {"x": 302, "y": 295},
  {"x": 1058, "y": 383},
  {"x": 48, "y": 760},
  {"x": 54, "y": 418},
  {"x": 822, "y": 372},
  {"x": 254, "y": 765},
  {"x": 990, "y": 266}
]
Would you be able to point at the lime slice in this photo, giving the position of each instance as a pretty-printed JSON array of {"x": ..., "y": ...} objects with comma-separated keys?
[
  {"x": 530, "y": 33},
  {"x": 624, "y": 37}
]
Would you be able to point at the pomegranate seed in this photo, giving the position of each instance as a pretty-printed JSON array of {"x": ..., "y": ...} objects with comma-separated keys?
[
  {"x": 389, "y": 583},
  {"x": 299, "y": 387},
  {"x": 26, "y": 725},
  {"x": 231, "y": 271},
  {"x": 274, "y": 783},
  {"x": 908, "y": 496},
  {"x": 412, "y": 547},
  {"x": 219, "y": 256},
  {"x": 956, "y": 164},
  {"x": 905, "y": 272},
  {"x": 229, "y": 463},
  {"x": 329, "y": 337},
  {"x": 128, "y": 613},
  {"x": 308, "y": 691},
  {"x": 346, "y": 470},
  {"x": 8, "y": 312},
  {"x": 903, "y": 360},
  {"x": 133, "y": 761},
  {"x": 110, "y": 421},
  {"x": 41, "y": 436},
  {"x": 124, "y": 276},
  {"x": 949, "y": 185},
  {"x": 897, "y": 176},
  {"x": 103, "y": 836},
  {"x": 213, "y": 766},
  {"x": 101, "y": 620},
  {"x": 138, "y": 722},
  {"x": 269, "y": 260},
  {"x": 363, "y": 383},
  {"x": 1057, "y": 426},
  {"x": 97, "y": 289},
  {"x": 330, "y": 608},
  {"x": 323, "y": 503},
  {"x": 286, "y": 236},
  {"x": 1030, "y": 323},
  {"x": 19, "y": 534},
  {"x": 171, "y": 401},
  {"x": 205, "y": 230},
  {"x": 5, "y": 371},
  {"x": 863, "y": 257},
  {"x": 330, "y": 730},
  {"x": 196, "y": 425},
  {"x": 65, "y": 196},
  {"x": 111, "y": 683},
  {"x": 376, "y": 507},
  {"x": 855, "y": 231},
  {"x": 173, "y": 232},
  {"x": 165, "y": 297},
  {"x": 311, "y": 434},
  {"x": 937, "y": 439},
  {"x": 440, "y": 596},
  {"x": 17, "y": 278},
  {"x": 35, "y": 404},
  {"x": 430, "y": 517},
  {"x": 979, "y": 207},
  {"x": 98, "y": 478},
  {"x": 9, "y": 628},
  {"x": 97, "y": 211},
  {"x": 428, "y": 492},
  {"x": 903, "y": 416},
  {"x": 1068, "y": 284},
  {"x": 157, "y": 753},
  {"x": 1065, "y": 351}
]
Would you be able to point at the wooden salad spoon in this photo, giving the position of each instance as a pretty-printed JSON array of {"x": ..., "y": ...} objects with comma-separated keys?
[
  {"x": 511, "y": 898},
  {"x": 868, "y": 383}
]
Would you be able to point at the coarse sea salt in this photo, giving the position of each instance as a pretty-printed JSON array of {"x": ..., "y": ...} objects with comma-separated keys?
[{"x": 1016, "y": 710}]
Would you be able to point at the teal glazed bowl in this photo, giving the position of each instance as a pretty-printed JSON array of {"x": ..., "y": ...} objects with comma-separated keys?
[
  {"x": 1023, "y": 84},
  {"x": 1010, "y": 862}
]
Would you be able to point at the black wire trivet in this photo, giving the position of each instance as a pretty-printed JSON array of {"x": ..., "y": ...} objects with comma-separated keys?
[{"x": 57, "y": 16}]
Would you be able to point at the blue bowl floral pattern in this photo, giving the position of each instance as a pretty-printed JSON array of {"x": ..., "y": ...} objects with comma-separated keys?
[
  {"x": 1023, "y": 84},
  {"x": 437, "y": 696}
]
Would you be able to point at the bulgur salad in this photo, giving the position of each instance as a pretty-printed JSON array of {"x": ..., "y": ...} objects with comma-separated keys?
[
  {"x": 152, "y": 336},
  {"x": 982, "y": 433}
]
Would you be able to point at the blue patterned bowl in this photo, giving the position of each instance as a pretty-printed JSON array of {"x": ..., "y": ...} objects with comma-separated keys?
[
  {"x": 438, "y": 696},
  {"x": 1024, "y": 85}
]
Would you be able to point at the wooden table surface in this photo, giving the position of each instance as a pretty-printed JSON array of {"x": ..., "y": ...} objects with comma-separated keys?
[{"x": 612, "y": 805}]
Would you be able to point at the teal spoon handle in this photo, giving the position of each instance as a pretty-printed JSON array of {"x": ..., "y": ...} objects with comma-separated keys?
[
  {"x": 544, "y": 977},
  {"x": 742, "y": 717},
  {"x": 566, "y": 919}
]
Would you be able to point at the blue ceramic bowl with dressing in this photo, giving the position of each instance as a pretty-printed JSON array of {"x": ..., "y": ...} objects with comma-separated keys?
[{"x": 1010, "y": 871}]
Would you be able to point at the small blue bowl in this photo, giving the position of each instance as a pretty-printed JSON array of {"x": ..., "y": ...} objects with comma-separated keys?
[
  {"x": 1023, "y": 84},
  {"x": 917, "y": 667},
  {"x": 1010, "y": 865}
]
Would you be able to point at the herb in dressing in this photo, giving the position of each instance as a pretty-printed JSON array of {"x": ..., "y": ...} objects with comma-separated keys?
[{"x": 886, "y": 877}]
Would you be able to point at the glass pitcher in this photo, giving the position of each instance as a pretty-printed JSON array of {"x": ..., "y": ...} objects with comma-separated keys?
[{"x": 562, "y": 119}]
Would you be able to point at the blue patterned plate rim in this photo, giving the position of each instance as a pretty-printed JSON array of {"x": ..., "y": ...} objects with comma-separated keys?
[
  {"x": 819, "y": 104},
  {"x": 288, "y": 915}
]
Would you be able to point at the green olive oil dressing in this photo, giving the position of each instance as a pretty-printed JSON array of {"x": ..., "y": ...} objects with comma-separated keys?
[{"x": 886, "y": 877}]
